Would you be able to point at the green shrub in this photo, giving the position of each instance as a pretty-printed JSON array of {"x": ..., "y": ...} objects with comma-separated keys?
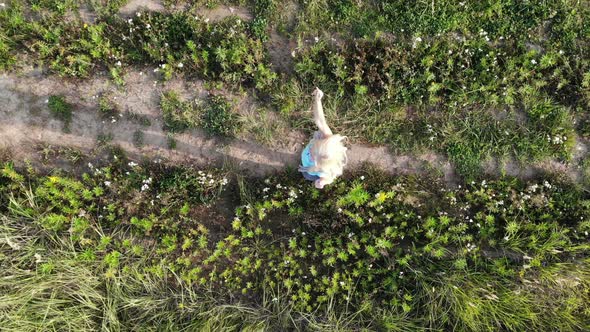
[
  {"x": 179, "y": 115},
  {"x": 139, "y": 119},
  {"x": 138, "y": 137},
  {"x": 54, "y": 222},
  {"x": 60, "y": 109},
  {"x": 107, "y": 108},
  {"x": 219, "y": 118}
]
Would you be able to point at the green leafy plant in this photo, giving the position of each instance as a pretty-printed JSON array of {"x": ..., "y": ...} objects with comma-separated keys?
[
  {"x": 219, "y": 118},
  {"x": 179, "y": 115},
  {"x": 60, "y": 109}
]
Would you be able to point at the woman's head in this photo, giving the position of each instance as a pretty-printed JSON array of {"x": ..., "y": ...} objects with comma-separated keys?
[{"x": 329, "y": 154}]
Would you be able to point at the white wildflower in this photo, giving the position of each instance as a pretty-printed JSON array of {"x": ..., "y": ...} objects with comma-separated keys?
[
  {"x": 107, "y": 183},
  {"x": 132, "y": 164},
  {"x": 119, "y": 64}
]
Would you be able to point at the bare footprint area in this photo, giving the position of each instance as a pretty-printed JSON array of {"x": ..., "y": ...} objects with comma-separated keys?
[
  {"x": 213, "y": 14},
  {"x": 25, "y": 122},
  {"x": 133, "y": 6},
  {"x": 220, "y": 12}
]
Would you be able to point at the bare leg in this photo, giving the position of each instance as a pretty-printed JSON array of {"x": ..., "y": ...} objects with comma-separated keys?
[{"x": 318, "y": 113}]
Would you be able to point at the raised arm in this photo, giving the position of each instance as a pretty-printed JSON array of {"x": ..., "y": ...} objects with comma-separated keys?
[{"x": 318, "y": 113}]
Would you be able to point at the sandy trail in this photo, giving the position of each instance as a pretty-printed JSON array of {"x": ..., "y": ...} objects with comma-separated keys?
[
  {"x": 213, "y": 14},
  {"x": 25, "y": 122}
]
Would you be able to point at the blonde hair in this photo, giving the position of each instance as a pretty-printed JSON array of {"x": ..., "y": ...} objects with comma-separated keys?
[{"x": 329, "y": 155}]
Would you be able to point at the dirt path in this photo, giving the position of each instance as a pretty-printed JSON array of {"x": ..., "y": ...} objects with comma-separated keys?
[
  {"x": 25, "y": 122},
  {"x": 214, "y": 14}
]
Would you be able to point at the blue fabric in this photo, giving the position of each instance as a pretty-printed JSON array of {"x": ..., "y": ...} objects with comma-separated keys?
[
  {"x": 307, "y": 161},
  {"x": 310, "y": 177}
]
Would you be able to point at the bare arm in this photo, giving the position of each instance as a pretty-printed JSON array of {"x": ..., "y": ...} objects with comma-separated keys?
[{"x": 318, "y": 113}]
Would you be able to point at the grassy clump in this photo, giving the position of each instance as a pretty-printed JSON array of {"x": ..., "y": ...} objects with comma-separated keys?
[
  {"x": 219, "y": 118},
  {"x": 107, "y": 108},
  {"x": 140, "y": 119},
  {"x": 179, "y": 115},
  {"x": 49, "y": 153},
  {"x": 60, "y": 109},
  {"x": 171, "y": 141},
  {"x": 138, "y": 138},
  {"x": 215, "y": 115},
  {"x": 369, "y": 252}
]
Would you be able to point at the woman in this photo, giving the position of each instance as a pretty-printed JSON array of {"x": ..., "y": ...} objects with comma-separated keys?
[{"x": 325, "y": 156}]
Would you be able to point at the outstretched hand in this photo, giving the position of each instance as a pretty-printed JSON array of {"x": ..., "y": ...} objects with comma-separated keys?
[{"x": 317, "y": 93}]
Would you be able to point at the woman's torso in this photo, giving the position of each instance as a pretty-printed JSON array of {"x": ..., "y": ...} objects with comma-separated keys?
[{"x": 307, "y": 159}]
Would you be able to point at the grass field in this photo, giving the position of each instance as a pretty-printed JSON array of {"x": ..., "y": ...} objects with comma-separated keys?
[{"x": 109, "y": 239}]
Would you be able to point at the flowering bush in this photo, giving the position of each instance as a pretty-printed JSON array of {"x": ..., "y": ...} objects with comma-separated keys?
[{"x": 372, "y": 241}]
